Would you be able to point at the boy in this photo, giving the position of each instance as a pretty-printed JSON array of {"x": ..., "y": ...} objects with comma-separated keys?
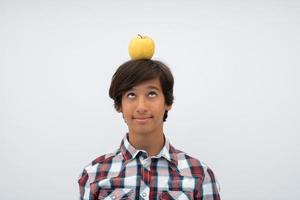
[{"x": 146, "y": 165}]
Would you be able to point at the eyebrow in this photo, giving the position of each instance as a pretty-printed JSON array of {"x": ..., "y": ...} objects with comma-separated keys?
[
  {"x": 153, "y": 87},
  {"x": 148, "y": 87}
]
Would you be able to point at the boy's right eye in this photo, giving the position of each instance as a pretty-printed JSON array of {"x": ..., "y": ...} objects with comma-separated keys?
[{"x": 130, "y": 95}]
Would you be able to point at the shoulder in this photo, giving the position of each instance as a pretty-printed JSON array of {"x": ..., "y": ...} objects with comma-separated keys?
[
  {"x": 191, "y": 166},
  {"x": 102, "y": 163}
]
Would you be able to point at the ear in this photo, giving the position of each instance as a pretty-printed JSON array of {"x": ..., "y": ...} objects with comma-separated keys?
[
  {"x": 168, "y": 107},
  {"x": 119, "y": 109}
]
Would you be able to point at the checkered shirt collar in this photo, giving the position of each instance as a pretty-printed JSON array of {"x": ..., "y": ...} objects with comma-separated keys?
[{"x": 129, "y": 152}]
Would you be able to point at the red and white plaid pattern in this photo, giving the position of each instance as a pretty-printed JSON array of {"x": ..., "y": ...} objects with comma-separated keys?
[{"x": 132, "y": 174}]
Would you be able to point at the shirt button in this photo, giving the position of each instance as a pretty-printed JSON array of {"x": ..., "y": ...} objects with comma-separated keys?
[{"x": 144, "y": 194}]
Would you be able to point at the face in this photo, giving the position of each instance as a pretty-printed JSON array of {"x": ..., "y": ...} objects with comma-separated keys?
[{"x": 143, "y": 107}]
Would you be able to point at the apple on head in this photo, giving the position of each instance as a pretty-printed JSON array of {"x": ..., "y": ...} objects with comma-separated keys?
[{"x": 141, "y": 47}]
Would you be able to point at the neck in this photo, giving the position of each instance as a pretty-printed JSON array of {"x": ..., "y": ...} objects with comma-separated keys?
[{"x": 150, "y": 142}]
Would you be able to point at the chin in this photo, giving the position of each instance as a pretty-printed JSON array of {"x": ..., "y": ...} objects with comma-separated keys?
[{"x": 142, "y": 131}]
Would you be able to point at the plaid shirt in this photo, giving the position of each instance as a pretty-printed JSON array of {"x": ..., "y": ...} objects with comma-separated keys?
[{"x": 131, "y": 174}]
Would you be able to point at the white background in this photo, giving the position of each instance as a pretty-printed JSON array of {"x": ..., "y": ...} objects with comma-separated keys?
[{"x": 236, "y": 69}]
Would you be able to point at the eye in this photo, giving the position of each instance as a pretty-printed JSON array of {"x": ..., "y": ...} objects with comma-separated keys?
[
  {"x": 152, "y": 94},
  {"x": 130, "y": 95}
]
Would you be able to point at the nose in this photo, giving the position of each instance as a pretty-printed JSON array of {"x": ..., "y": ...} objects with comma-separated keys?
[{"x": 142, "y": 105}]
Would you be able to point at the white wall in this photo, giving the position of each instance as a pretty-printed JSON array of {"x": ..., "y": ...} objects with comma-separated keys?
[{"x": 236, "y": 68}]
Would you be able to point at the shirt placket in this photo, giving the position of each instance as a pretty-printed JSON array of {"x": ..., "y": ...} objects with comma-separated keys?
[{"x": 145, "y": 177}]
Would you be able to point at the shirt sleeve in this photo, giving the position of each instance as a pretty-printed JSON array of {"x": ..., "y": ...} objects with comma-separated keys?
[
  {"x": 84, "y": 186},
  {"x": 210, "y": 186}
]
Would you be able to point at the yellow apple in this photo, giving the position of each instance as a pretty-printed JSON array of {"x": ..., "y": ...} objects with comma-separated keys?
[{"x": 141, "y": 47}]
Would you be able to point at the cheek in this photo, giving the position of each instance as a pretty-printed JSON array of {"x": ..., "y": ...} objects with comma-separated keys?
[
  {"x": 160, "y": 109},
  {"x": 127, "y": 111}
]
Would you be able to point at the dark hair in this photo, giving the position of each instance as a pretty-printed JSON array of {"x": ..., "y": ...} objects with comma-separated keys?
[{"x": 134, "y": 72}]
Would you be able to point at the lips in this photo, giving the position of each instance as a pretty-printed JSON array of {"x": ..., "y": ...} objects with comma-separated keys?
[{"x": 142, "y": 119}]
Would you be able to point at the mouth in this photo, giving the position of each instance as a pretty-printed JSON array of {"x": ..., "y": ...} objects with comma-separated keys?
[{"x": 142, "y": 120}]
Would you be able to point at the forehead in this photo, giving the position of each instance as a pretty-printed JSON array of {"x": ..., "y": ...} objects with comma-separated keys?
[{"x": 149, "y": 84}]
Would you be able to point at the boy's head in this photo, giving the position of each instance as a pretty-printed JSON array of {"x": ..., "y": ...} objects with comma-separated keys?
[{"x": 135, "y": 72}]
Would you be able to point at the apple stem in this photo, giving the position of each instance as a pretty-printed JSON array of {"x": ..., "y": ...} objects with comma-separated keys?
[{"x": 140, "y": 35}]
